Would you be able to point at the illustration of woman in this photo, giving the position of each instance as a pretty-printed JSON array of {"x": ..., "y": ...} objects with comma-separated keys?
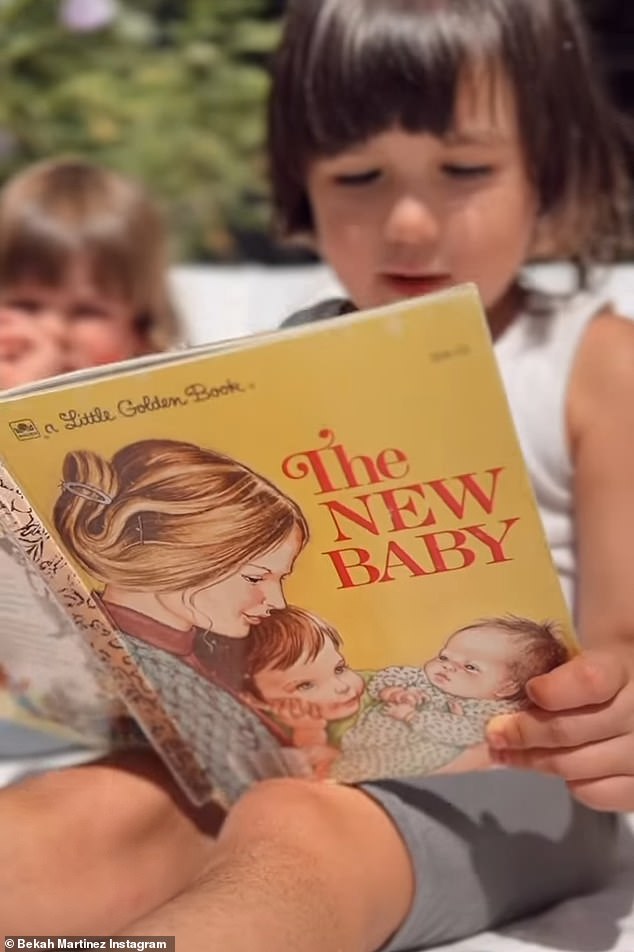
[{"x": 192, "y": 548}]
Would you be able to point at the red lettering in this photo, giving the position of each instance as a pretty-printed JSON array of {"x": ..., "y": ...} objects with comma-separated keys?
[
  {"x": 389, "y": 467},
  {"x": 347, "y": 463},
  {"x": 310, "y": 461},
  {"x": 457, "y": 545},
  {"x": 470, "y": 487},
  {"x": 389, "y": 464},
  {"x": 362, "y": 562},
  {"x": 390, "y": 500},
  {"x": 398, "y": 556},
  {"x": 366, "y": 521},
  {"x": 443, "y": 551},
  {"x": 494, "y": 545}
]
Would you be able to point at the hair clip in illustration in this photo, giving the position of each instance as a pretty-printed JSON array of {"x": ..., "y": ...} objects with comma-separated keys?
[{"x": 86, "y": 491}]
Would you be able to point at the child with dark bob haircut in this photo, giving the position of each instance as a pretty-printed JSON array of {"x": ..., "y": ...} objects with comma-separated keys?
[
  {"x": 420, "y": 144},
  {"x": 347, "y": 72}
]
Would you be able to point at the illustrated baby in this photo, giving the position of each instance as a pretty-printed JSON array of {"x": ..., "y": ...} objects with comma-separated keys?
[{"x": 424, "y": 717}]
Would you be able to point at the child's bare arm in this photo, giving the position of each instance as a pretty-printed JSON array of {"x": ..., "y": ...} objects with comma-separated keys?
[
  {"x": 602, "y": 425},
  {"x": 583, "y": 727}
]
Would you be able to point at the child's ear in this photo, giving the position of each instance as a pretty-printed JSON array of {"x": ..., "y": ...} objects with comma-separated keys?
[
  {"x": 508, "y": 690},
  {"x": 554, "y": 236},
  {"x": 545, "y": 239}
]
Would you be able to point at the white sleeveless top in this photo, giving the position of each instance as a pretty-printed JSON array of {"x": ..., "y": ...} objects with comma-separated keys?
[{"x": 535, "y": 356}]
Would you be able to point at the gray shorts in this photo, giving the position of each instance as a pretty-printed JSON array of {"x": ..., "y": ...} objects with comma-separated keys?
[{"x": 491, "y": 847}]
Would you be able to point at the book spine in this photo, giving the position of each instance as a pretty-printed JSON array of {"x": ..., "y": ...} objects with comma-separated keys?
[{"x": 112, "y": 658}]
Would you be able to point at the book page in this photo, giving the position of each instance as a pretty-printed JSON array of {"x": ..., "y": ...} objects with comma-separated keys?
[{"x": 47, "y": 672}]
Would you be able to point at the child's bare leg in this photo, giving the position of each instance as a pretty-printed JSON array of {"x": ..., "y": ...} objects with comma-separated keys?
[
  {"x": 317, "y": 868},
  {"x": 297, "y": 865},
  {"x": 88, "y": 849}
]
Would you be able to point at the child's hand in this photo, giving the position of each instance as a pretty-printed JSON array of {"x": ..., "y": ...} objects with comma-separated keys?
[
  {"x": 295, "y": 712},
  {"x": 28, "y": 351},
  {"x": 321, "y": 758},
  {"x": 400, "y": 712},
  {"x": 303, "y": 718},
  {"x": 582, "y": 728},
  {"x": 398, "y": 695}
]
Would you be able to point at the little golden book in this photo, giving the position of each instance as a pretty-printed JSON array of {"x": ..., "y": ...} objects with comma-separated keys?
[{"x": 313, "y": 553}]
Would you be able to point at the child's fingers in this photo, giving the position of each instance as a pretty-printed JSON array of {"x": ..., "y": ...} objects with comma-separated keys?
[
  {"x": 532, "y": 729},
  {"x": 607, "y": 793},
  {"x": 589, "y": 762},
  {"x": 588, "y": 679},
  {"x": 303, "y": 708}
]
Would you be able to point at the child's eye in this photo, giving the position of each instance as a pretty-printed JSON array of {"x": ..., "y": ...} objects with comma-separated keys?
[
  {"x": 471, "y": 667},
  {"x": 305, "y": 686},
  {"x": 459, "y": 171},
  {"x": 89, "y": 313},
  {"x": 357, "y": 178},
  {"x": 253, "y": 579},
  {"x": 26, "y": 305}
]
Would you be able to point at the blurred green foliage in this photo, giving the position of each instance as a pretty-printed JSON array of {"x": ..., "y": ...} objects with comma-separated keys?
[{"x": 172, "y": 93}]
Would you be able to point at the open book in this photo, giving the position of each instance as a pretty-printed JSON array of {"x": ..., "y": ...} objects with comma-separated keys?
[{"x": 314, "y": 552}]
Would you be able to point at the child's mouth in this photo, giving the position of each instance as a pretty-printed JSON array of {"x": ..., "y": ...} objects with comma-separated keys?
[
  {"x": 348, "y": 706},
  {"x": 413, "y": 285},
  {"x": 441, "y": 676}
]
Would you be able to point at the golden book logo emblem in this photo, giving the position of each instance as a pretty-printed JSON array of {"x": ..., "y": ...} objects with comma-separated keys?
[{"x": 24, "y": 429}]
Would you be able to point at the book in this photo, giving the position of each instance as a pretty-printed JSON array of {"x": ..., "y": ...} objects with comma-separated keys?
[
  {"x": 313, "y": 553},
  {"x": 49, "y": 678}
]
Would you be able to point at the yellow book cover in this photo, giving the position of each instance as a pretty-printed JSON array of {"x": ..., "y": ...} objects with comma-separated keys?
[{"x": 312, "y": 553}]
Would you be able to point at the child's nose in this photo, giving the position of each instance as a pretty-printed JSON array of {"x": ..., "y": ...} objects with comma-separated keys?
[
  {"x": 55, "y": 323},
  {"x": 411, "y": 222}
]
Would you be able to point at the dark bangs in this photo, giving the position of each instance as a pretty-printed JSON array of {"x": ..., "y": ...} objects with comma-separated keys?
[
  {"x": 34, "y": 247},
  {"x": 373, "y": 68},
  {"x": 55, "y": 213},
  {"x": 350, "y": 69}
]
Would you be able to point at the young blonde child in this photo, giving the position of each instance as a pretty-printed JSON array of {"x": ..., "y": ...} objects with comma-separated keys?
[
  {"x": 83, "y": 272},
  {"x": 419, "y": 144},
  {"x": 83, "y": 281}
]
